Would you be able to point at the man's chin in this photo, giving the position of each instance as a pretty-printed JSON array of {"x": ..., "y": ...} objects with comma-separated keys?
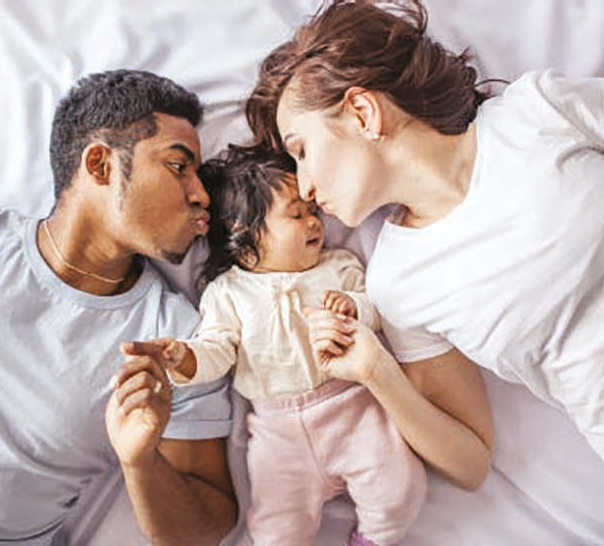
[{"x": 175, "y": 258}]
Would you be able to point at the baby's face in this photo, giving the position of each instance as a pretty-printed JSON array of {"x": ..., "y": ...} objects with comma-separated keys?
[{"x": 294, "y": 233}]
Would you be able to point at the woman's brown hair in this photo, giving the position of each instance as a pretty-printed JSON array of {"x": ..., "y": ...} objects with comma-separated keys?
[{"x": 358, "y": 44}]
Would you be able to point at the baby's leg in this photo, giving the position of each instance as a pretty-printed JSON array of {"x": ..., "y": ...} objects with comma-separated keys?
[
  {"x": 385, "y": 479},
  {"x": 286, "y": 487}
]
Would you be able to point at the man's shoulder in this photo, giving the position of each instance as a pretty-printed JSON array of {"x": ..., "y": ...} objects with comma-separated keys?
[
  {"x": 176, "y": 314},
  {"x": 11, "y": 222},
  {"x": 12, "y": 235}
]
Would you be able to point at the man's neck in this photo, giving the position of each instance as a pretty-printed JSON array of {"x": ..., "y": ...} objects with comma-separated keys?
[{"x": 80, "y": 257}]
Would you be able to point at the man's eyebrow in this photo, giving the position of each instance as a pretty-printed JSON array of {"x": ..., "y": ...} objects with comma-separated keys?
[{"x": 185, "y": 150}]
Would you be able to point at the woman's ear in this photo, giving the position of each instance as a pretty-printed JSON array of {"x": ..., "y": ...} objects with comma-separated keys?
[
  {"x": 97, "y": 162},
  {"x": 366, "y": 108}
]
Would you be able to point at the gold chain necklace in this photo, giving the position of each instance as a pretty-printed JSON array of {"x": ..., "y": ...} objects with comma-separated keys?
[{"x": 74, "y": 267}]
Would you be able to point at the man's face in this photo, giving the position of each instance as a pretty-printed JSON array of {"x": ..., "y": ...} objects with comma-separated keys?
[{"x": 163, "y": 207}]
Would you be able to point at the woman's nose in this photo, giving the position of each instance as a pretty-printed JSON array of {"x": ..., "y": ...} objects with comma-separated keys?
[{"x": 306, "y": 190}]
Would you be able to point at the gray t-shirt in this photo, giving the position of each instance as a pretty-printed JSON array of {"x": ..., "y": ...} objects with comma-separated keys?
[{"x": 58, "y": 351}]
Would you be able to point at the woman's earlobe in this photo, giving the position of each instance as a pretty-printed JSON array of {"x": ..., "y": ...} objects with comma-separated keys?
[
  {"x": 366, "y": 109},
  {"x": 369, "y": 134}
]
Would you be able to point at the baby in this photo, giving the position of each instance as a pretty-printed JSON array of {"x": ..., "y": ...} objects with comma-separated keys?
[{"x": 310, "y": 437}]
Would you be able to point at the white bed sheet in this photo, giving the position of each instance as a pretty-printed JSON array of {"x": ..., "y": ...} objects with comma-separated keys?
[{"x": 547, "y": 487}]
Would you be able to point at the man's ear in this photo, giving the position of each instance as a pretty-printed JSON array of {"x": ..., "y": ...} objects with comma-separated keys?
[
  {"x": 367, "y": 110},
  {"x": 97, "y": 162}
]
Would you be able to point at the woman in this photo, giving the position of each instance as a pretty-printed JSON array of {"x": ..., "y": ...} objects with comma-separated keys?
[{"x": 495, "y": 252}]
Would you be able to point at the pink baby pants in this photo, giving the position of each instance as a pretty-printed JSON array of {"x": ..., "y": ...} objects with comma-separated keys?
[{"x": 306, "y": 450}]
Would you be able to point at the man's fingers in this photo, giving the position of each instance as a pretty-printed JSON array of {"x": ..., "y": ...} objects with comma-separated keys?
[
  {"x": 153, "y": 348},
  {"x": 138, "y": 364},
  {"x": 141, "y": 382},
  {"x": 140, "y": 399}
]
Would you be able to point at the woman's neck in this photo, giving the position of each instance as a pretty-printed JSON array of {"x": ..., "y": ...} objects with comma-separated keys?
[{"x": 431, "y": 172}]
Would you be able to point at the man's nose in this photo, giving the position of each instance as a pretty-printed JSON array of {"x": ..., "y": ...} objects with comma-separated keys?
[{"x": 196, "y": 193}]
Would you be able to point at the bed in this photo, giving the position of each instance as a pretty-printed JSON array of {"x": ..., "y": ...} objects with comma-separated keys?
[{"x": 546, "y": 486}]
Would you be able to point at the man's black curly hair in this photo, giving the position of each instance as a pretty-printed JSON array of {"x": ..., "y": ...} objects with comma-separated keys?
[
  {"x": 240, "y": 183},
  {"x": 116, "y": 106}
]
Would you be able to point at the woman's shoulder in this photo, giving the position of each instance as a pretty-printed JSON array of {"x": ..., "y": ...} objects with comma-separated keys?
[{"x": 553, "y": 98}]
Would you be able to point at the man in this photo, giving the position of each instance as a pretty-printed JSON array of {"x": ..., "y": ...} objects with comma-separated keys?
[{"x": 124, "y": 154}]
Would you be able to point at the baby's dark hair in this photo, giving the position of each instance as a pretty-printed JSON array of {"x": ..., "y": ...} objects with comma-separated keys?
[{"x": 240, "y": 183}]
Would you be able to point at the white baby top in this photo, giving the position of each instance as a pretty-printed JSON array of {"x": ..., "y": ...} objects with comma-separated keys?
[
  {"x": 255, "y": 321},
  {"x": 514, "y": 276}
]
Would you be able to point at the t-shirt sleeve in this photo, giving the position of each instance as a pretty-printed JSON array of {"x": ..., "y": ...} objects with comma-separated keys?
[
  {"x": 579, "y": 100},
  {"x": 413, "y": 344},
  {"x": 199, "y": 411}
]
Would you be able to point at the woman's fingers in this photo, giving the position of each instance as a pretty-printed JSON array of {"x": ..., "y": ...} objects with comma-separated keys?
[
  {"x": 327, "y": 348},
  {"x": 319, "y": 335}
]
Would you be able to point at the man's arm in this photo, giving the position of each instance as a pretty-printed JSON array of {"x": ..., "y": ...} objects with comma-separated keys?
[
  {"x": 180, "y": 490},
  {"x": 184, "y": 494}
]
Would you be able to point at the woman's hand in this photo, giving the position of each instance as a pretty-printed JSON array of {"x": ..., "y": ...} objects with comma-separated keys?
[{"x": 345, "y": 348}]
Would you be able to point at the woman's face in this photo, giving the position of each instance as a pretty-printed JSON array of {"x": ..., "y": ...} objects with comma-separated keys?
[{"x": 334, "y": 162}]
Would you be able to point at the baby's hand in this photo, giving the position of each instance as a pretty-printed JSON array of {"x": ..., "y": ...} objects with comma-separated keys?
[
  {"x": 339, "y": 303},
  {"x": 179, "y": 358},
  {"x": 330, "y": 334}
]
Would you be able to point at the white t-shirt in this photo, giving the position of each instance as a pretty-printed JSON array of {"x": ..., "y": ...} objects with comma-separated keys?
[
  {"x": 514, "y": 276},
  {"x": 256, "y": 322},
  {"x": 59, "y": 348}
]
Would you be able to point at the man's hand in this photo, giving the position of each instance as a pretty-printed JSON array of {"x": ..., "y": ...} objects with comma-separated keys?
[
  {"x": 340, "y": 303},
  {"x": 139, "y": 407}
]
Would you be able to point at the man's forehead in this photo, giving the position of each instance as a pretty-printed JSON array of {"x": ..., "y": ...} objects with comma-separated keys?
[{"x": 175, "y": 133}]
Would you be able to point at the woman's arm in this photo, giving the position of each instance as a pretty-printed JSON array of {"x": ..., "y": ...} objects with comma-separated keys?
[
  {"x": 441, "y": 408},
  {"x": 440, "y": 405}
]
